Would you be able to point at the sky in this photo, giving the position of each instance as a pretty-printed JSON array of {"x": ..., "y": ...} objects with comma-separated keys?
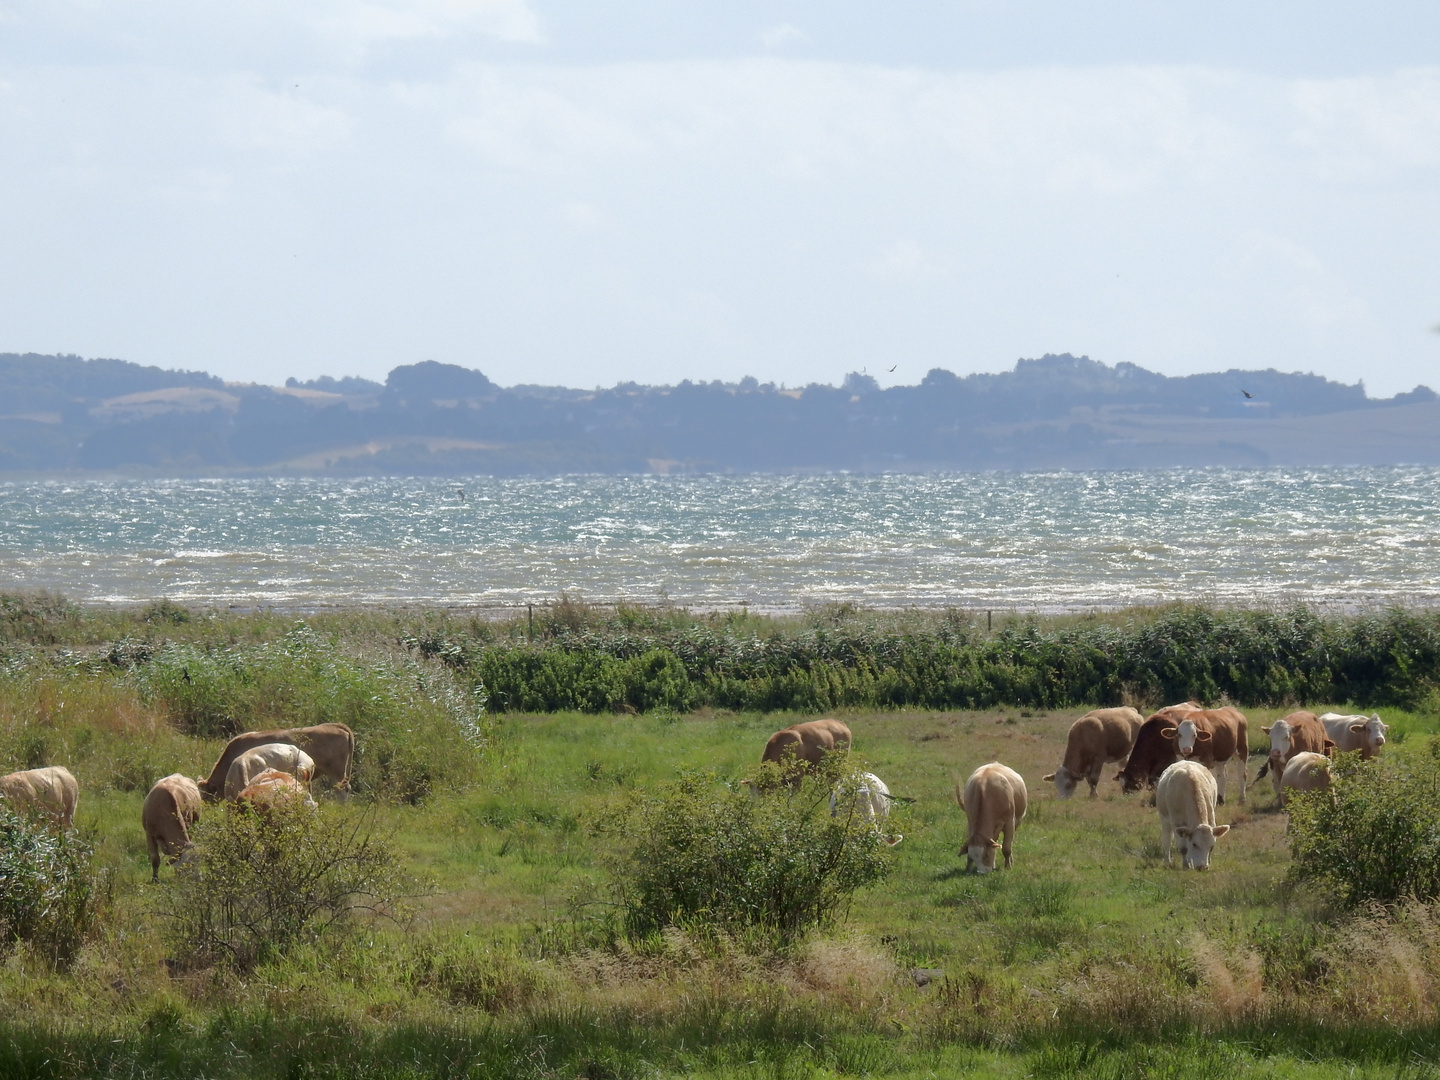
[{"x": 582, "y": 193}]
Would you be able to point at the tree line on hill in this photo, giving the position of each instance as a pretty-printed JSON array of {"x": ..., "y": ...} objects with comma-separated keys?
[{"x": 1058, "y": 411}]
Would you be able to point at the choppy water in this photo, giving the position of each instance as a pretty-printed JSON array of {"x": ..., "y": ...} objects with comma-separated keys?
[{"x": 1356, "y": 537}]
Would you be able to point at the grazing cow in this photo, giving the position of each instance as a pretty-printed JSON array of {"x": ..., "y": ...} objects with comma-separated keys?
[
  {"x": 801, "y": 745},
  {"x": 1298, "y": 733},
  {"x": 1185, "y": 797},
  {"x": 1151, "y": 755},
  {"x": 994, "y": 799},
  {"x": 1213, "y": 737},
  {"x": 287, "y": 757},
  {"x": 272, "y": 788},
  {"x": 1363, "y": 733},
  {"x": 172, "y": 806},
  {"x": 1100, "y": 736},
  {"x": 51, "y": 790},
  {"x": 1306, "y": 771},
  {"x": 869, "y": 798},
  {"x": 331, "y": 746}
]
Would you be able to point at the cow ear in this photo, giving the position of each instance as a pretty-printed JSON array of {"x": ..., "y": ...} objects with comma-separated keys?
[
  {"x": 1167, "y": 733},
  {"x": 1357, "y": 727},
  {"x": 1183, "y": 831},
  {"x": 991, "y": 844},
  {"x": 1047, "y": 779},
  {"x": 1221, "y": 830},
  {"x": 1202, "y": 736},
  {"x": 1266, "y": 730}
]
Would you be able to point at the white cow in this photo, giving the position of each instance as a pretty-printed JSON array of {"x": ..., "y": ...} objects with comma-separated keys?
[
  {"x": 869, "y": 797},
  {"x": 1185, "y": 797},
  {"x": 1363, "y": 733},
  {"x": 1305, "y": 772},
  {"x": 994, "y": 799},
  {"x": 285, "y": 757}
]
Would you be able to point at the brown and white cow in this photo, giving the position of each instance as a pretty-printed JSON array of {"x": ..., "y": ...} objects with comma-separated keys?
[
  {"x": 1299, "y": 733},
  {"x": 1185, "y": 798},
  {"x": 1100, "y": 736},
  {"x": 331, "y": 746},
  {"x": 1363, "y": 733},
  {"x": 287, "y": 757},
  {"x": 1150, "y": 756},
  {"x": 172, "y": 806},
  {"x": 994, "y": 799},
  {"x": 1212, "y": 737},
  {"x": 51, "y": 790}
]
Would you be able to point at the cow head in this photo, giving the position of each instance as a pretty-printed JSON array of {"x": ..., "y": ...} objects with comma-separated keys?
[
  {"x": 1186, "y": 736},
  {"x": 1065, "y": 782},
  {"x": 1279, "y": 733},
  {"x": 980, "y": 857},
  {"x": 1197, "y": 843},
  {"x": 1374, "y": 730}
]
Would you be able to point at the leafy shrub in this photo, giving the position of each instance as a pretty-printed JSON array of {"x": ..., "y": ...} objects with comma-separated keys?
[
  {"x": 48, "y": 893},
  {"x": 1375, "y": 835},
  {"x": 710, "y": 855},
  {"x": 263, "y": 881}
]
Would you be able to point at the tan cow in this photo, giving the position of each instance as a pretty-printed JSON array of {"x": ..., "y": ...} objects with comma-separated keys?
[
  {"x": 1299, "y": 733},
  {"x": 271, "y": 788},
  {"x": 994, "y": 800},
  {"x": 172, "y": 806},
  {"x": 51, "y": 790},
  {"x": 1305, "y": 771},
  {"x": 1363, "y": 733},
  {"x": 1185, "y": 798},
  {"x": 331, "y": 746},
  {"x": 1212, "y": 737},
  {"x": 803, "y": 745},
  {"x": 1100, "y": 736},
  {"x": 286, "y": 757}
]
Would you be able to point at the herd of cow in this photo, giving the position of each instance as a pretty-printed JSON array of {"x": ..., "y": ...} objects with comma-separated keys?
[
  {"x": 1181, "y": 752},
  {"x": 258, "y": 768}
]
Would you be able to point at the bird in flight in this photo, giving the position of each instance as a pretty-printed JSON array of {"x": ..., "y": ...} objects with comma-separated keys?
[
  {"x": 894, "y": 366},
  {"x": 1247, "y": 393}
]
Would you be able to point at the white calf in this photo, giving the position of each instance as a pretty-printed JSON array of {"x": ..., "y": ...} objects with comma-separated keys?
[{"x": 1185, "y": 798}]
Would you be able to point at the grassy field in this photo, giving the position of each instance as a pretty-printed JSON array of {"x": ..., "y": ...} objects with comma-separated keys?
[{"x": 1088, "y": 958}]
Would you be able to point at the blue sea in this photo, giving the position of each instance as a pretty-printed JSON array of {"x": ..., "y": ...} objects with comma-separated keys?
[{"x": 1355, "y": 538}]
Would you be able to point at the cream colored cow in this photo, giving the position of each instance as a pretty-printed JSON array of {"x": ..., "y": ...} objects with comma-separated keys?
[
  {"x": 1099, "y": 736},
  {"x": 172, "y": 806},
  {"x": 1305, "y": 771},
  {"x": 51, "y": 790},
  {"x": 1185, "y": 798},
  {"x": 286, "y": 757},
  {"x": 994, "y": 799}
]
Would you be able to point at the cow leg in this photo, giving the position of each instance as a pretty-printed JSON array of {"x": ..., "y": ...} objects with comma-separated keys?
[
  {"x": 1009, "y": 837},
  {"x": 154, "y": 844},
  {"x": 1218, "y": 771},
  {"x": 1275, "y": 780},
  {"x": 1240, "y": 752},
  {"x": 1093, "y": 777},
  {"x": 1165, "y": 837}
]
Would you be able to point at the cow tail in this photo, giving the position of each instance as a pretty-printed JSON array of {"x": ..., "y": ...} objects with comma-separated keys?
[{"x": 1263, "y": 770}]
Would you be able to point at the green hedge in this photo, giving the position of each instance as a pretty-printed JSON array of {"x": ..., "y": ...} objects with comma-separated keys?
[{"x": 1255, "y": 658}]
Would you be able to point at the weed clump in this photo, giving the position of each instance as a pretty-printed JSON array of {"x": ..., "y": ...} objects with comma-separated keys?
[
  {"x": 48, "y": 892},
  {"x": 1375, "y": 835},
  {"x": 705, "y": 854},
  {"x": 263, "y": 881}
]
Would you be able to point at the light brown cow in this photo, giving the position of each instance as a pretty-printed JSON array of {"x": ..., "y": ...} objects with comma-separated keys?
[
  {"x": 1305, "y": 772},
  {"x": 1212, "y": 737},
  {"x": 272, "y": 788},
  {"x": 172, "y": 806},
  {"x": 805, "y": 743},
  {"x": 994, "y": 799},
  {"x": 1299, "y": 733},
  {"x": 51, "y": 790},
  {"x": 287, "y": 757},
  {"x": 1100, "y": 736},
  {"x": 331, "y": 746}
]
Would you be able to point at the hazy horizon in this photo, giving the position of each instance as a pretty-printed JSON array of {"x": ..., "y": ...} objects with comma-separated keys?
[{"x": 554, "y": 194}]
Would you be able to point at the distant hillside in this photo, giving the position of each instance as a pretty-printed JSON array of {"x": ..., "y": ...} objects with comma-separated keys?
[{"x": 63, "y": 413}]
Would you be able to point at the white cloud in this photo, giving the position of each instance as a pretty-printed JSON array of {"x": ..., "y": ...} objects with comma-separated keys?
[{"x": 780, "y": 35}]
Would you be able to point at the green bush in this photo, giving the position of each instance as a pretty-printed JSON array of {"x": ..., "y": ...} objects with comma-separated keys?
[
  {"x": 48, "y": 894},
  {"x": 263, "y": 881},
  {"x": 703, "y": 854},
  {"x": 1375, "y": 835}
]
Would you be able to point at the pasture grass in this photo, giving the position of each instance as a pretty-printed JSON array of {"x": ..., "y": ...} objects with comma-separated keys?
[{"x": 1088, "y": 958}]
